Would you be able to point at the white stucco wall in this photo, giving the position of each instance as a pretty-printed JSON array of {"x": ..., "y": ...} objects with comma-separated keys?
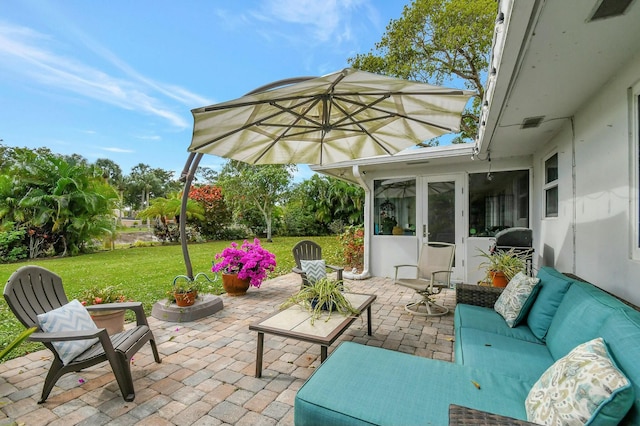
[
  {"x": 387, "y": 251},
  {"x": 602, "y": 211}
]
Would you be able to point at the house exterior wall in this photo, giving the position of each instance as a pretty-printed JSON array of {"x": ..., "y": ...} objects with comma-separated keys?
[
  {"x": 593, "y": 233},
  {"x": 389, "y": 250}
]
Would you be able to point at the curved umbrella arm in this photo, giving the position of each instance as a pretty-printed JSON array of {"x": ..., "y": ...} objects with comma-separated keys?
[{"x": 188, "y": 173}]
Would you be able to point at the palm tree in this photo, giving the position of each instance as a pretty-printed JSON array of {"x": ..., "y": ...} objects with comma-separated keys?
[
  {"x": 69, "y": 201},
  {"x": 163, "y": 208}
]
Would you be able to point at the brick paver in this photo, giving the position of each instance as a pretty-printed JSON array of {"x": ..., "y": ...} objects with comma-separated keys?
[{"x": 206, "y": 374}]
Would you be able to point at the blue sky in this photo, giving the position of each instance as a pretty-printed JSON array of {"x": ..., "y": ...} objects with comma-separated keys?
[{"x": 118, "y": 79}]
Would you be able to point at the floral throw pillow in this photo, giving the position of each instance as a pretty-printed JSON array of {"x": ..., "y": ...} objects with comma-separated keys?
[
  {"x": 70, "y": 317},
  {"x": 315, "y": 270},
  {"x": 516, "y": 299},
  {"x": 582, "y": 388}
]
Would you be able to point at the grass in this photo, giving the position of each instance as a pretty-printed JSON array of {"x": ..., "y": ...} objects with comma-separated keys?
[{"x": 144, "y": 273}]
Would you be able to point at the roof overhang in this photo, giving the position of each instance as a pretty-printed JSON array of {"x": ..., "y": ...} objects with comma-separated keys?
[
  {"x": 549, "y": 58},
  {"x": 421, "y": 158}
]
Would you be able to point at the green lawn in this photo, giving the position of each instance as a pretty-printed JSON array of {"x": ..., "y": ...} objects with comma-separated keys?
[{"x": 145, "y": 273}]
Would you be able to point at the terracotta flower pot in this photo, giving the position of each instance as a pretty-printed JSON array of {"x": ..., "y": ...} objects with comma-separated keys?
[
  {"x": 499, "y": 279},
  {"x": 234, "y": 286},
  {"x": 113, "y": 321},
  {"x": 185, "y": 299}
]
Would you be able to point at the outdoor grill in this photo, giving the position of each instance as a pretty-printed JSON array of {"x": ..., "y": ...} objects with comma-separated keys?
[{"x": 517, "y": 239}]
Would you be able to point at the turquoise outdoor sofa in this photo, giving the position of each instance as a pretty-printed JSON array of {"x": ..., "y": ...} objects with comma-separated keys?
[{"x": 495, "y": 366}]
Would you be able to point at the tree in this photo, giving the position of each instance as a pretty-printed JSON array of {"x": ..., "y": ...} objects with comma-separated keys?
[
  {"x": 216, "y": 213},
  {"x": 163, "y": 209},
  {"x": 438, "y": 41},
  {"x": 113, "y": 174},
  {"x": 261, "y": 186},
  {"x": 314, "y": 204},
  {"x": 144, "y": 182},
  {"x": 61, "y": 202}
]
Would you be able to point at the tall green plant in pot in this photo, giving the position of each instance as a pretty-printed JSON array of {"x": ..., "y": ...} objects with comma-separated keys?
[
  {"x": 322, "y": 295},
  {"x": 502, "y": 266}
]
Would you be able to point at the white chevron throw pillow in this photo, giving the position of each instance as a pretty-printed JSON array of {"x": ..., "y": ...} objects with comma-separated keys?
[
  {"x": 315, "y": 270},
  {"x": 70, "y": 317}
]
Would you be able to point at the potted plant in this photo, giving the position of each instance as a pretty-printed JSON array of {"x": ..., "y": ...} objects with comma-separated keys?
[
  {"x": 502, "y": 266},
  {"x": 244, "y": 266},
  {"x": 112, "y": 320},
  {"x": 388, "y": 223},
  {"x": 184, "y": 291},
  {"x": 324, "y": 294}
]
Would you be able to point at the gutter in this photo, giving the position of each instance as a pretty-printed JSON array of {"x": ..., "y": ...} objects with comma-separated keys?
[{"x": 367, "y": 226}]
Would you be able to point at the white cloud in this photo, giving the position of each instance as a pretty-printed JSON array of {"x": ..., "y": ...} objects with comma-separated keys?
[
  {"x": 118, "y": 150},
  {"x": 28, "y": 53},
  {"x": 150, "y": 138},
  {"x": 329, "y": 19}
]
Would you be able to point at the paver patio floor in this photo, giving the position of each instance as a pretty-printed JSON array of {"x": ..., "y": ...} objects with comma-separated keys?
[{"x": 207, "y": 372}]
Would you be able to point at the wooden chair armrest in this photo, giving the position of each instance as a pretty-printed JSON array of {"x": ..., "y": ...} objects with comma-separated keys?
[{"x": 297, "y": 270}]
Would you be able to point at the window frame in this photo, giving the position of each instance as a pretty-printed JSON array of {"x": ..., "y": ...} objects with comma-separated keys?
[
  {"x": 550, "y": 185},
  {"x": 634, "y": 185}
]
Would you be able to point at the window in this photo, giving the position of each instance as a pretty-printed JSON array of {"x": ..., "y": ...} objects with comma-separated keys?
[
  {"x": 634, "y": 115},
  {"x": 395, "y": 206},
  {"x": 498, "y": 203},
  {"x": 551, "y": 186}
]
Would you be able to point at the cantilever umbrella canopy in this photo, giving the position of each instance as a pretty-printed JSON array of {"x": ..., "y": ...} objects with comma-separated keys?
[{"x": 341, "y": 116}]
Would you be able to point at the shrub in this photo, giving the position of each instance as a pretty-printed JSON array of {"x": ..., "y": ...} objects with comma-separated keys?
[
  {"x": 337, "y": 227},
  {"x": 352, "y": 241},
  {"x": 12, "y": 246},
  {"x": 170, "y": 233}
]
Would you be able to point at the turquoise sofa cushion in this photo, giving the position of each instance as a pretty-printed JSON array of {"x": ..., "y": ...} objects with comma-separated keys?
[
  {"x": 553, "y": 286},
  {"x": 508, "y": 356},
  {"x": 578, "y": 319},
  {"x": 364, "y": 385},
  {"x": 621, "y": 333},
  {"x": 479, "y": 318}
]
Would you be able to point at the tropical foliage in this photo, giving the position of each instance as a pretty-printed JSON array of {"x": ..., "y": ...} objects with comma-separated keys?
[
  {"x": 352, "y": 242},
  {"x": 438, "y": 42},
  {"x": 216, "y": 215},
  {"x": 317, "y": 203},
  {"x": 60, "y": 203},
  {"x": 259, "y": 187}
]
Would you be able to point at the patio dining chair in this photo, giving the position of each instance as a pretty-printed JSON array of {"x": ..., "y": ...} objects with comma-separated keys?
[
  {"x": 432, "y": 274},
  {"x": 310, "y": 250},
  {"x": 37, "y": 298}
]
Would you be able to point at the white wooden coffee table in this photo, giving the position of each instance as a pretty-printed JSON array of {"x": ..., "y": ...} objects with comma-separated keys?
[{"x": 295, "y": 322}]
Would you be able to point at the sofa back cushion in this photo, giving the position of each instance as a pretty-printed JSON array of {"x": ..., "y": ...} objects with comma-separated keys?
[
  {"x": 578, "y": 319},
  {"x": 621, "y": 332},
  {"x": 553, "y": 286}
]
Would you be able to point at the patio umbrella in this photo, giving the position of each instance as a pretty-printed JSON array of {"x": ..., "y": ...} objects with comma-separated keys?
[{"x": 341, "y": 116}]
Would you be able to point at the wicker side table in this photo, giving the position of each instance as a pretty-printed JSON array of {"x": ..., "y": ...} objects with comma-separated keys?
[
  {"x": 478, "y": 295},
  {"x": 459, "y": 416}
]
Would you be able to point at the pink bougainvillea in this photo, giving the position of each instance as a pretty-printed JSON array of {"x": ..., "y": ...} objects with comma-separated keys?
[{"x": 250, "y": 261}]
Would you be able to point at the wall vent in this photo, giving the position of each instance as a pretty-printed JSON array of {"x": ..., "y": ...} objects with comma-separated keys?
[
  {"x": 609, "y": 9},
  {"x": 532, "y": 122}
]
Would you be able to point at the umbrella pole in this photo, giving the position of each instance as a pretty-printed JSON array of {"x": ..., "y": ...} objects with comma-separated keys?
[{"x": 188, "y": 172}]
